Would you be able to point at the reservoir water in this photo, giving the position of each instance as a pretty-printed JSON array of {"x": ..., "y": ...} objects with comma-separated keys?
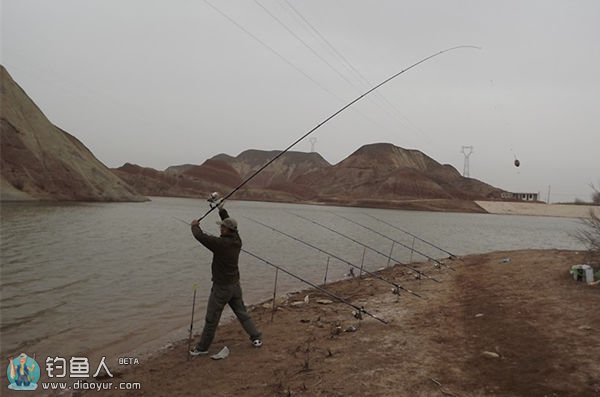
[{"x": 115, "y": 278}]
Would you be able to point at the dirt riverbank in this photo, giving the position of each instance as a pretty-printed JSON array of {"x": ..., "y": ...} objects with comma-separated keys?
[{"x": 491, "y": 327}]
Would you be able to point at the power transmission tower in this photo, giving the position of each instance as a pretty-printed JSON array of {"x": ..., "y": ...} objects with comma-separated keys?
[
  {"x": 467, "y": 151},
  {"x": 313, "y": 141}
]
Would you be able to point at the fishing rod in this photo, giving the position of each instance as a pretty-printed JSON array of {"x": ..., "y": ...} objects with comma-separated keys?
[
  {"x": 397, "y": 287},
  {"x": 367, "y": 247},
  {"x": 452, "y": 256},
  {"x": 191, "y": 324},
  {"x": 359, "y": 309},
  {"x": 249, "y": 178},
  {"x": 391, "y": 239}
]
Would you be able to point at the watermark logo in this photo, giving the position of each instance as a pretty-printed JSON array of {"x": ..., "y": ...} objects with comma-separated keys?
[
  {"x": 66, "y": 374},
  {"x": 23, "y": 373}
]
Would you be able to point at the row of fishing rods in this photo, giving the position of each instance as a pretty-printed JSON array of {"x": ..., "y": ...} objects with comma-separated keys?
[{"x": 358, "y": 311}]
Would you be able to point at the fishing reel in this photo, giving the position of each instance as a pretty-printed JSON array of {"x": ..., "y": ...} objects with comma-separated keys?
[
  {"x": 214, "y": 200},
  {"x": 358, "y": 314}
]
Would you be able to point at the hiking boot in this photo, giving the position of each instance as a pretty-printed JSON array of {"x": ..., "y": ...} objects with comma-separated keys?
[{"x": 257, "y": 343}]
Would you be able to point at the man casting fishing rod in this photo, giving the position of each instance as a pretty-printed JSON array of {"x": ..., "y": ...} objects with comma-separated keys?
[
  {"x": 226, "y": 287},
  {"x": 226, "y": 249}
]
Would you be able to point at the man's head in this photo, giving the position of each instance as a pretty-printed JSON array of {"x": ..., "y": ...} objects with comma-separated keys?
[{"x": 228, "y": 226}]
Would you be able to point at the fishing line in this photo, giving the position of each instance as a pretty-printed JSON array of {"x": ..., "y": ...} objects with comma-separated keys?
[
  {"x": 366, "y": 246},
  {"x": 375, "y": 275},
  {"x": 391, "y": 239},
  {"x": 452, "y": 256}
]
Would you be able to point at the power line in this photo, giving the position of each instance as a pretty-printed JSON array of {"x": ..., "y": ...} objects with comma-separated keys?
[
  {"x": 329, "y": 45},
  {"x": 290, "y": 31},
  {"x": 332, "y": 49},
  {"x": 314, "y": 52},
  {"x": 351, "y": 67},
  {"x": 290, "y": 63},
  {"x": 271, "y": 49}
]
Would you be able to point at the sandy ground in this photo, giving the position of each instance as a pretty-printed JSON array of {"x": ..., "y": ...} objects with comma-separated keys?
[
  {"x": 538, "y": 209},
  {"x": 540, "y": 329}
]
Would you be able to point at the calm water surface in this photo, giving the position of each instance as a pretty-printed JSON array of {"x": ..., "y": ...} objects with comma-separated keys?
[{"x": 117, "y": 278}]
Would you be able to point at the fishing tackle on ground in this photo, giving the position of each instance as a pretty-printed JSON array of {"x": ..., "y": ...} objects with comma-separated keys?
[{"x": 358, "y": 309}]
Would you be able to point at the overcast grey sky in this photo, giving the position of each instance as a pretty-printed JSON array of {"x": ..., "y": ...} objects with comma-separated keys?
[{"x": 159, "y": 83}]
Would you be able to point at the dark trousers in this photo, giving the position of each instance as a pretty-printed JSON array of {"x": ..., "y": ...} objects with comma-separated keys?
[{"x": 220, "y": 295}]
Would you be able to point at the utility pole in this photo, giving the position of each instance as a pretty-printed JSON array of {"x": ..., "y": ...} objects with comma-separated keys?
[{"x": 313, "y": 141}]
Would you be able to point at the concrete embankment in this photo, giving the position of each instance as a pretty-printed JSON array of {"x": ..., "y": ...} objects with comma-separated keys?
[{"x": 538, "y": 209}]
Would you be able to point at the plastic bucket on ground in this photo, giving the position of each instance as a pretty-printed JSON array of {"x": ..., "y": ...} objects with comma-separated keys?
[{"x": 583, "y": 273}]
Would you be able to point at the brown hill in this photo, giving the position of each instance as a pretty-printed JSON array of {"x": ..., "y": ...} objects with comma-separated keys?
[
  {"x": 386, "y": 172},
  {"x": 40, "y": 161},
  {"x": 223, "y": 172},
  {"x": 215, "y": 172},
  {"x": 377, "y": 175},
  {"x": 281, "y": 174},
  {"x": 178, "y": 169},
  {"x": 182, "y": 180},
  {"x": 152, "y": 182}
]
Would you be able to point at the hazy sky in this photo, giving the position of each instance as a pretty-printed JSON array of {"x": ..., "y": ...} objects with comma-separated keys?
[{"x": 159, "y": 83}]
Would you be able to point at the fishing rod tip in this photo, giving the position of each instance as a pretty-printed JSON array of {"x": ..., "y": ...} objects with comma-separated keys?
[{"x": 470, "y": 46}]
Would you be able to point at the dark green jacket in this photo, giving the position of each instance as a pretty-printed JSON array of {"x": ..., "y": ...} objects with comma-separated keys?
[{"x": 226, "y": 253}]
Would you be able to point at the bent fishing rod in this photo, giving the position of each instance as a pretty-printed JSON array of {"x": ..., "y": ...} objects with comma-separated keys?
[
  {"x": 391, "y": 239},
  {"x": 366, "y": 246},
  {"x": 452, "y": 256},
  {"x": 359, "y": 309},
  {"x": 258, "y": 171},
  {"x": 396, "y": 286}
]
